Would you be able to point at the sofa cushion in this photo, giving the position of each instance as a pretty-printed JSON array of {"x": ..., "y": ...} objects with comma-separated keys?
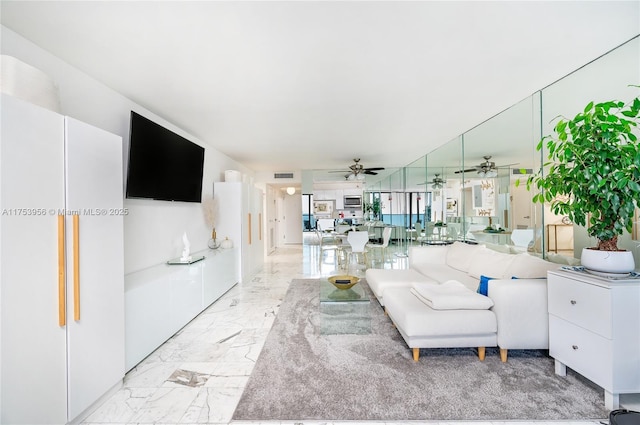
[
  {"x": 450, "y": 295},
  {"x": 525, "y": 266},
  {"x": 381, "y": 279},
  {"x": 490, "y": 263},
  {"x": 460, "y": 254},
  {"x": 430, "y": 254},
  {"x": 441, "y": 273},
  {"x": 415, "y": 318}
]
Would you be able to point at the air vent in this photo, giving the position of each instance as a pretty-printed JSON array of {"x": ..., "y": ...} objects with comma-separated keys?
[
  {"x": 520, "y": 171},
  {"x": 283, "y": 175}
]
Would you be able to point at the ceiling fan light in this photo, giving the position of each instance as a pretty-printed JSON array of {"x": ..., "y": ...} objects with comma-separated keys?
[
  {"x": 351, "y": 176},
  {"x": 492, "y": 173},
  {"x": 359, "y": 176}
]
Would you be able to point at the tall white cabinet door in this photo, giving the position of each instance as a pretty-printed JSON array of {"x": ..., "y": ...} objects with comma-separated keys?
[
  {"x": 257, "y": 248},
  {"x": 96, "y": 311},
  {"x": 33, "y": 343},
  {"x": 231, "y": 218}
]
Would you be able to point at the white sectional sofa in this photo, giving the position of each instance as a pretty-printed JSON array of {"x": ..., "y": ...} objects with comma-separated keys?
[{"x": 517, "y": 318}]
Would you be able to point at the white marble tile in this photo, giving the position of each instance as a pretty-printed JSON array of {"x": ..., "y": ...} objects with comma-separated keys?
[
  {"x": 200, "y": 367},
  {"x": 122, "y": 406},
  {"x": 227, "y": 382},
  {"x": 212, "y": 405},
  {"x": 149, "y": 374},
  {"x": 237, "y": 368},
  {"x": 166, "y": 405}
]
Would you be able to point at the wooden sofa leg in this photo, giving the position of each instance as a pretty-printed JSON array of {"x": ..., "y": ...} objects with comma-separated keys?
[
  {"x": 503, "y": 355},
  {"x": 416, "y": 354},
  {"x": 481, "y": 353}
]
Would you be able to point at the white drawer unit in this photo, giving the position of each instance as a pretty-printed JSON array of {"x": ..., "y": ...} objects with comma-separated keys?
[{"x": 594, "y": 328}]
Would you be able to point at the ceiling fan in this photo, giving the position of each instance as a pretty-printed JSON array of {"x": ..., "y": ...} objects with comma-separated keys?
[
  {"x": 436, "y": 183},
  {"x": 485, "y": 169},
  {"x": 357, "y": 171}
]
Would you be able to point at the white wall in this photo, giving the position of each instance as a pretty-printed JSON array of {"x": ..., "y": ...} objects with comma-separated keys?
[
  {"x": 153, "y": 229},
  {"x": 292, "y": 221}
]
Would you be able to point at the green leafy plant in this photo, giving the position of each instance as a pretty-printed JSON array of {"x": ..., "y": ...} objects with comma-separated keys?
[
  {"x": 374, "y": 208},
  {"x": 593, "y": 172}
]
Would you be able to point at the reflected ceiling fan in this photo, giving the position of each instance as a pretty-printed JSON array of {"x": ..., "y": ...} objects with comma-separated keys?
[
  {"x": 357, "y": 171},
  {"x": 436, "y": 183},
  {"x": 485, "y": 169}
]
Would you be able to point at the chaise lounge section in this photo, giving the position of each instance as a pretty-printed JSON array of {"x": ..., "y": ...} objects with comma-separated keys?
[{"x": 516, "y": 288}]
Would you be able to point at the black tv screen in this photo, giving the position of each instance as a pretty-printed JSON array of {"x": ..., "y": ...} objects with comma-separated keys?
[{"x": 162, "y": 164}]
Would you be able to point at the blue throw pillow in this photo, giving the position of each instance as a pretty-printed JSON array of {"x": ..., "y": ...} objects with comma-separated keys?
[{"x": 483, "y": 287}]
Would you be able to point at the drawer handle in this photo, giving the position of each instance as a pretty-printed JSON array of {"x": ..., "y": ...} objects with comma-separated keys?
[
  {"x": 573, "y": 302},
  {"x": 575, "y": 347}
]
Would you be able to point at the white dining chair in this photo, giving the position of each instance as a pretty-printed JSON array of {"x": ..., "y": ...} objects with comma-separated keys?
[
  {"x": 521, "y": 238},
  {"x": 382, "y": 247},
  {"x": 358, "y": 246},
  {"x": 453, "y": 231},
  {"x": 329, "y": 243}
]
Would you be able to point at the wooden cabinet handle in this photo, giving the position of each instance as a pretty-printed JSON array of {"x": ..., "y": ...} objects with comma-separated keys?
[
  {"x": 76, "y": 268},
  {"x": 62, "y": 315}
]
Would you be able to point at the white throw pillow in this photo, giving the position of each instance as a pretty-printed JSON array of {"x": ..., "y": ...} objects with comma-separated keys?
[
  {"x": 460, "y": 254},
  {"x": 525, "y": 266},
  {"x": 451, "y": 295},
  {"x": 491, "y": 264}
]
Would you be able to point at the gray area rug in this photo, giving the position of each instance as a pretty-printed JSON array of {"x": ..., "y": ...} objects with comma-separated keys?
[{"x": 302, "y": 374}]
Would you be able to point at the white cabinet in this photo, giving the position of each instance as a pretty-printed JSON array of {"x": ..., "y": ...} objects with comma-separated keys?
[
  {"x": 162, "y": 299},
  {"x": 240, "y": 219},
  {"x": 62, "y": 264},
  {"x": 594, "y": 328}
]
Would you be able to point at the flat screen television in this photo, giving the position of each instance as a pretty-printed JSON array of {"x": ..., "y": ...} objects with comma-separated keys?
[{"x": 162, "y": 165}]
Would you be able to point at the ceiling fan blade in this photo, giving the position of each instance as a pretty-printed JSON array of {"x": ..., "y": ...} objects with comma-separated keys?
[
  {"x": 368, "y": 171},
  {"x": 374, "y": 169},
  {"x": 468, "y": 170}
]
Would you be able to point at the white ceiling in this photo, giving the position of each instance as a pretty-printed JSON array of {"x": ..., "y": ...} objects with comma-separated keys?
[{"x": 287, "y": 86}]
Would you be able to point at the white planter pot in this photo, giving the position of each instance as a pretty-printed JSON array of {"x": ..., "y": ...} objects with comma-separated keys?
[{"x": 608, "y": 261}]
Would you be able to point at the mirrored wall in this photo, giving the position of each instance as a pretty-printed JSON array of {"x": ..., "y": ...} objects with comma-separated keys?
[{"x": 472, "y": 188}]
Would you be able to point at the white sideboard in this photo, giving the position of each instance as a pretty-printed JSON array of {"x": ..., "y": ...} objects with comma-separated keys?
[
  {"x": 594, "y": 328},
  {"x": 161, "y": 300}
]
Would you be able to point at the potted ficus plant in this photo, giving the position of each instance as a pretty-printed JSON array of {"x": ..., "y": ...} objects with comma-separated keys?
[{"x": 593, "y": 178}]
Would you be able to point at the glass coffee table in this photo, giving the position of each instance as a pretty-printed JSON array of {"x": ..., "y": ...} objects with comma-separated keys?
[{"x": 344, "y": 311}]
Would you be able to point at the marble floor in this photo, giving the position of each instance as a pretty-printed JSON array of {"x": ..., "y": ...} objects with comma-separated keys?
[{"x": 197, "y": 376}]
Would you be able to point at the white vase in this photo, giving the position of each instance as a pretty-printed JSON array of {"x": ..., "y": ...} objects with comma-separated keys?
[
  {"x": 226, "y": 243},
  {"x": 608, "y": 261}
]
